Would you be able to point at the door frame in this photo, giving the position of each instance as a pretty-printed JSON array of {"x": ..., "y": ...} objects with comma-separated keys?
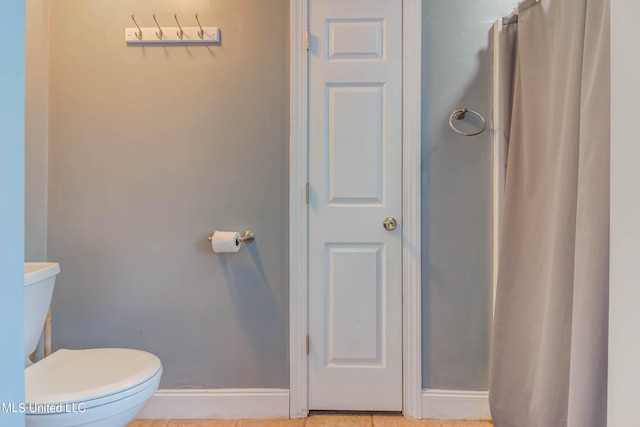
[{"x": 411, "y": 208}]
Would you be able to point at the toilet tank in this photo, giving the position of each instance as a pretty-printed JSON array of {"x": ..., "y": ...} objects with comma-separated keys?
[{"x": 39, "y": 278}]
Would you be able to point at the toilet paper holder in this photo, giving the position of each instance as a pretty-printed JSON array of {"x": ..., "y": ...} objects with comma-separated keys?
[{"x": 246, "y": 237}]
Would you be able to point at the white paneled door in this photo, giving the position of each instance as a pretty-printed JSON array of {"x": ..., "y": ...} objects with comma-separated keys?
[{"x": 355, "y": 177}]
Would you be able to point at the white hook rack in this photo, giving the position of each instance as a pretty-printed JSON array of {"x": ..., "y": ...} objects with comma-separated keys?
[{"x": 171, "y": 35}]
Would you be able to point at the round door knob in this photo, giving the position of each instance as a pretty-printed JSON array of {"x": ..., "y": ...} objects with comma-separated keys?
[{"x": 389, "y": 223}]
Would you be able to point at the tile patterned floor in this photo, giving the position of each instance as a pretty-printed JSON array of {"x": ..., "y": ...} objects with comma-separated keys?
[{"x": 314, "y": 421}]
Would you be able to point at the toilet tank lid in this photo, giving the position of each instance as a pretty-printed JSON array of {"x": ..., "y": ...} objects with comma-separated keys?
[
  {"x": 37, "y": 271},
  {"x": 77, "y": 375}
]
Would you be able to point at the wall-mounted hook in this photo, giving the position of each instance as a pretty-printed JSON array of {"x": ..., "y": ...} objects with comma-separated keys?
[
  {"x": 200, "y": 31},
  {"x": 158, "y": 35},
  {"x": 139, "y": 32},
  {"x": 180, "y": 33}
]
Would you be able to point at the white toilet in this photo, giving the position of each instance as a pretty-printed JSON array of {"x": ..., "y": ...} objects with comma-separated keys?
[{"x": 102, "y": 387}]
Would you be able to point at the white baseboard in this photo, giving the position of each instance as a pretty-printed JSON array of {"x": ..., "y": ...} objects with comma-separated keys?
[
  {"x": 455, "y": 405},
  {"x": 217, "y": 404},
  {"x": 274, "y": 403}
]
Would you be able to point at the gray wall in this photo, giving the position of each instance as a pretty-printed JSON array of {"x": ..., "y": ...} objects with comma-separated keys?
[
  {"x": 36, "y": 129},
  {"x": 457, "y": 190},
  {"x": 152, "y": 148},
  {"x": 12, "y": 45}
]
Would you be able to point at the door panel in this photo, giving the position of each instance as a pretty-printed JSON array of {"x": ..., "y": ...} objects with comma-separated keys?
[
  {"x": 355, "y": 161},
  {"x": 354, "y": 331},
  {"x": 354, "y": 136}
]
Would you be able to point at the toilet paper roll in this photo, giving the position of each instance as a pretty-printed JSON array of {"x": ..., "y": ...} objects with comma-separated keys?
[{"x": 225, "y": 241}]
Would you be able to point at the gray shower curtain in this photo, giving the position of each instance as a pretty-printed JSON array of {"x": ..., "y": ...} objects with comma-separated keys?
[{"x": 549, "y": 354}]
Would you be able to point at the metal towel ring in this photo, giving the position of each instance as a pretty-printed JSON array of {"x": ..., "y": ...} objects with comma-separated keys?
[{"x": 460, "y": 114}]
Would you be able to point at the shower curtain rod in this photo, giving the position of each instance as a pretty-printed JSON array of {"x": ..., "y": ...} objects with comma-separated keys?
[{"x": 512, "y": 18}]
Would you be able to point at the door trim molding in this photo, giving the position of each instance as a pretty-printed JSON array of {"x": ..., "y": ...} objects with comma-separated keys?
[
  {"x": 298, "y": 209},
  {"x": 298, "y": 215},
  {"x": 411, "y": 207}
]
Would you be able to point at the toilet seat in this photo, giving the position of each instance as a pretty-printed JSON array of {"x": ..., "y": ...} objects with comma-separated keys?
[{"x": 93, "y": 377}]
